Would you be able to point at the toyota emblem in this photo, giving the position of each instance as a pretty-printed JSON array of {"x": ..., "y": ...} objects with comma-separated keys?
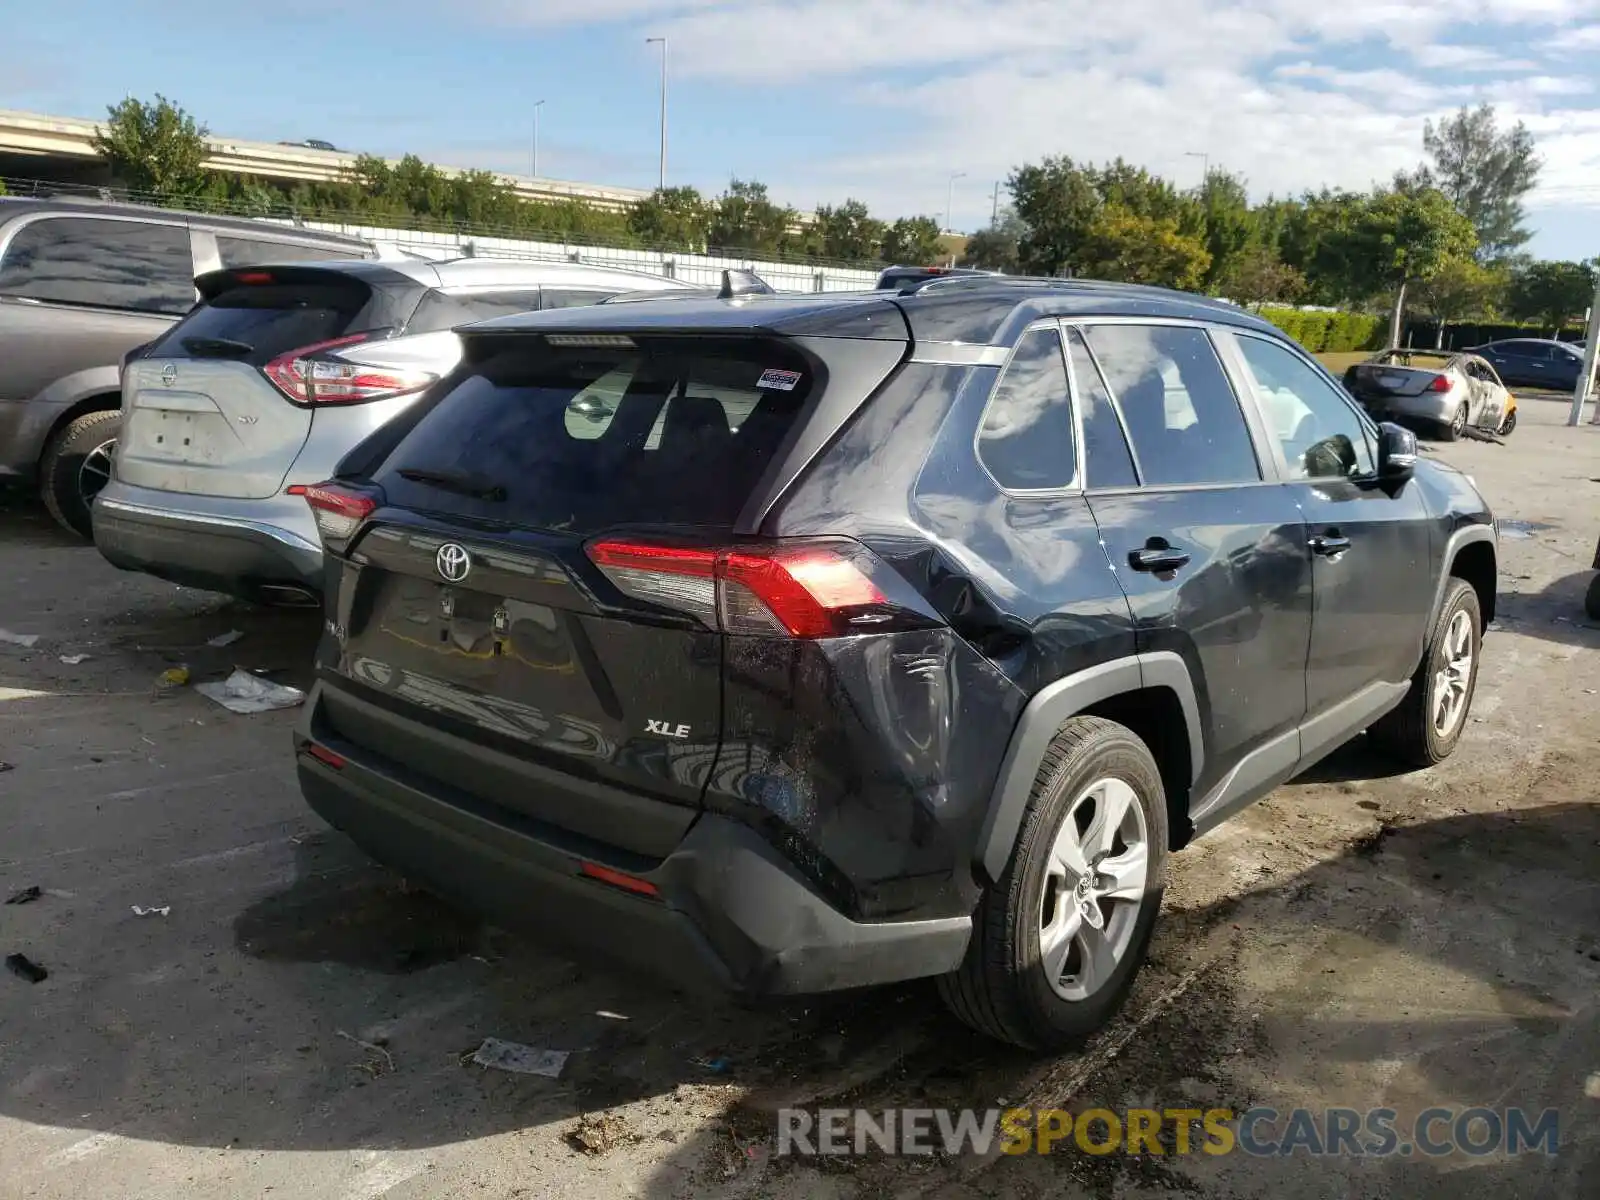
[
  {"x": 169, "y": 374},
  {"x": 453, "y": 562}
]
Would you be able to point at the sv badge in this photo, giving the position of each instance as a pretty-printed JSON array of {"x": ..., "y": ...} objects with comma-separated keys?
[{"x": 665, "y": 730}]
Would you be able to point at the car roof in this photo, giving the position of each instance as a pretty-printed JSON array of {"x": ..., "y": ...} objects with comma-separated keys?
[
  {"x": 982, "y": 310},
  {"x": 487, "y": 272},
  {"x": 16, "y": 206}
]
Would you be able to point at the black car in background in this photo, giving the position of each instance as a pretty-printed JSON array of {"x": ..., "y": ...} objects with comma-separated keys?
[
  {"x": 1535, "y": 362},
  {"x": 872, "y": 637},
  {"x": 82, "y": 284}
]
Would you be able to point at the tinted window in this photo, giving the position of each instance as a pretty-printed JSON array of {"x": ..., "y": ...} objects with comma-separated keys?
[
  {"x": 1320, "y": 433},
  {"x": 257, "y": 323},
  {"x": 1105, "y": 449},
  {"x": 1026, "y": 437},
  {"x": 255, "y": 252},
  {"x": 676, "y": 433},
  {"x": 443, "y": 310},
  {"x": 1181, "y": 412},
  {"x": 573, "y": 297},
  {"x": 113, "y": 264}
]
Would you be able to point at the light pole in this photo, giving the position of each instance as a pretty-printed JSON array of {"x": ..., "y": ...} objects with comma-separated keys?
[
  {"x": 537, "y": 105},
  {"x": 950, "y": 196},
  {"x": 662, "y": 183},
  {"x": 994, "y": 209},
  {"x": 1205, "y": 164}
]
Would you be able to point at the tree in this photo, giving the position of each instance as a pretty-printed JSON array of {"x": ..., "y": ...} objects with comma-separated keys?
[
  {"x": 997, "y": 247},
  {"x": 153, "y": 147},
  {"x": 1461, "y": 287},
  {"x": 1552, "y": 292},
  {"x": 1124, "y": 246},
  {"x": 1230, "y": 226},
  {"x": 1057, "y": 201},
  {"x": 746, "y": 219},
  {"x": 911, "y": 240},
  {"x": 672, "y": 219},
  {"x": 1485, "y": 172},
  {"x": 1257, "y": 276},
  {"x": 1383, "y": 243},
  {"x": 848, "y": 232}
]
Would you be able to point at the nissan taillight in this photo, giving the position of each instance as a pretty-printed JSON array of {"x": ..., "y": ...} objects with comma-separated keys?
[
  {"x": 311, "y": 376},
  {"x": 801, "y": 590}
]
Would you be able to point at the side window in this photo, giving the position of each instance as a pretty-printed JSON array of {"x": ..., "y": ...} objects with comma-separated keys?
[
  {"x": 573, "y": 297},
  {"x": 135, "y": 265},
  {"x": 1105, "y": 449},
  {"x": 256, "y": 252},
  {"x": 1025, "y": 440},
  {"x": 1320, "y": 433},
  {"x": 1182, "y": 415}
]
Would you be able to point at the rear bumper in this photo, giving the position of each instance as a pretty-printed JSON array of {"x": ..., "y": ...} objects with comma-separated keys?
[
  {"x": 218, "y": 546},
  {"x": 730, "y": 914},
  {"x": 1435, "y": 407}
]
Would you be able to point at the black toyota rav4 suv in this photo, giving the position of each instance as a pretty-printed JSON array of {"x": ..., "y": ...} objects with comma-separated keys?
[{"x": 800, "y": 643}]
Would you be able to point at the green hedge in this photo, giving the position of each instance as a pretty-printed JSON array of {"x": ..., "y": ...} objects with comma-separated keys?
[{"x": 1329, "y": 332}]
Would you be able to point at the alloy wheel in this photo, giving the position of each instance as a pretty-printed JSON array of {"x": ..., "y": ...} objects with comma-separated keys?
[
  {"x": 95, "y": 470},
  {"x": 1454, "y": 677}
]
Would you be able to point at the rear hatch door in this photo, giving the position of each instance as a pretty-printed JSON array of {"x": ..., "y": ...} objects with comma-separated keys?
[
  {"x": 471, "y": 595},
  {"x": 201, "y": 414}
]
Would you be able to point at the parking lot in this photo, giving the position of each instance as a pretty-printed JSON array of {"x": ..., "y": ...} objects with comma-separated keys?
[{"x": 296, "y": 1022}]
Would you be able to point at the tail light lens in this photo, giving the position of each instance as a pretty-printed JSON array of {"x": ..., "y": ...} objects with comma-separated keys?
[
  {"x": 337, "y": 510},
  {"x": 306, "y": 378},
  {"x": 1441, "y": 383},
  {"x": 800, "y": 591}
]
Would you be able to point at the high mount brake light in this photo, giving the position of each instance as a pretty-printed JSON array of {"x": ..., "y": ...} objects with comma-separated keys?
[
  {"x": 801, "y": 591},
  {"x": 338, "y": 511},
  {"x": 310, "y": 380}
]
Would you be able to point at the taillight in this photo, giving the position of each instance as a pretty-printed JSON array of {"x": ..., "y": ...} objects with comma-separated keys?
[
  {"x": 802, "y": 591},
  {"x": 337, "y": 510},
  {"x": 307, "y": 379},
  {"x": 1441, "y": 383}
]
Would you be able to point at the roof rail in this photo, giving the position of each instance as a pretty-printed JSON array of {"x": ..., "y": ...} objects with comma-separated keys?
[{"x": 946, "y": 282}]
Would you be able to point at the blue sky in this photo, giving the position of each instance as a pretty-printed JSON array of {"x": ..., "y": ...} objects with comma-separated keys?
[{"x": 880, "y": 99}]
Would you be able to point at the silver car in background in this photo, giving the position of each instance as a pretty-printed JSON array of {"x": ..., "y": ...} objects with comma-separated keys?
[
  {"x": 269, "y": 382},
  {"x": 1449, "y": 391}
]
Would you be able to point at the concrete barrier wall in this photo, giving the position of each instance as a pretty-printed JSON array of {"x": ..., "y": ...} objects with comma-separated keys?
[{"x": 698, "y": 269}]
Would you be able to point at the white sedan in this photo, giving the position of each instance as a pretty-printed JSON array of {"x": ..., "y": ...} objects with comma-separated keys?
[{"x": 1452, "y": 391}]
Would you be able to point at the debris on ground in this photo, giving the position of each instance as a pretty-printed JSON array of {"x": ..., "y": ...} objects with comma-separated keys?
[
  {"x": 25, "y": 968},
  {"x": 173, "y": 677},
  {"x": 73, "y": 660},
  {"x": 523, "y": 1060},
  {"x": 597, "y": 1135},
  {"x": 26, "y": 640},
  {"x": 26, "y": 896},
  {"x": 245, "y": 693},
  {"x": 372, "y": 1068},
  {"x": 140, "y": 911},
  {"x": 5, "y": 766},
  {"x": 225, "y": 639},
  {"x": 717, "y": 1066}
]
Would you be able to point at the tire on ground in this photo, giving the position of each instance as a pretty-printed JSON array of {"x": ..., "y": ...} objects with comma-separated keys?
[
  {"x": 1001, "y": 989},
  {"x": 62, "y": 464},
  {"x": 1407, "y": 732}
]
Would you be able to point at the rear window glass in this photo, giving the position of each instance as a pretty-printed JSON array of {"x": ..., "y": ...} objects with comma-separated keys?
[
  {"x": 257, "y": 323},
  {"x": 580, "y": 440},
  {"x": 443, "y": 310},
  {"x": 254, "y": 252}
]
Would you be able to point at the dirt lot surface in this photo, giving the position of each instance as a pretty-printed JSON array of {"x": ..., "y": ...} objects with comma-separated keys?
[{"x": 296, "y": 1024}]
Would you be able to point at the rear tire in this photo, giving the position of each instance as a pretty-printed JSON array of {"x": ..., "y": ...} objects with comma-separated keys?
[
  {"x": 1509, "y": 423},
  {"x": 1591, "y": 602},
  {"x": 1456, "y": 428},
  {"x": 1041, "y": 910},
  {"x": 1414, "y": 733},
  {"x": 75, "y": 466}
]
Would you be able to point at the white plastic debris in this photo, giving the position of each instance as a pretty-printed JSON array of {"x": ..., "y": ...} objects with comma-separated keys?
[
  {"x": 245, "y": 693},
  {"x": 140, "y": 911},
  {"x": 226, "y": 639},
  {"x": 524, "y": 1060},
  {"x": 26, "y": 640},
  {"x": 73, "y": 660}
]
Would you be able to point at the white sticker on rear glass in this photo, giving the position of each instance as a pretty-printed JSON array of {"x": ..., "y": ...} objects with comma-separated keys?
[{"x": 783, "y": 381}]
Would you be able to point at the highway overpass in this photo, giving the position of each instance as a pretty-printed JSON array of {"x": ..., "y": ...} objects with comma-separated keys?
[{"x": 61, "y": 150}]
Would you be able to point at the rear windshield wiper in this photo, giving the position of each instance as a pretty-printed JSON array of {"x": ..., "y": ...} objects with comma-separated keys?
[
  {"x": 464, "y": 483},
  {"x": 211, "y": 347}
]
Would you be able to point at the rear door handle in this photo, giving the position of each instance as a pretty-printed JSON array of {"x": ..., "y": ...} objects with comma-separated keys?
[
  {"x": 1329, "y": 545},
  {"x": 1158, "y": 558}
]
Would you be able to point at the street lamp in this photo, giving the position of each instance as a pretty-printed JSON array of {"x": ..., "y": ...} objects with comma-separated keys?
[
  {"x": 537, "y": 105},
  {"x": 950, "y": 196},
  {"x": 1205, "y": 163},
  {"x": 662, "y": 183}
]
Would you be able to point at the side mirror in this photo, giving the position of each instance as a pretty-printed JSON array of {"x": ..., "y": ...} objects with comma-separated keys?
[{"x": 1397, "y": 453}]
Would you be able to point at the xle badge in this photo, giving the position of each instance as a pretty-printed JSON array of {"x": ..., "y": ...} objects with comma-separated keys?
[{"x": 665, "y": 730}]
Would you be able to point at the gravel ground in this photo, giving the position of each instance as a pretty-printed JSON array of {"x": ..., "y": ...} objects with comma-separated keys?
[{"x": 296, "y": 1023}]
